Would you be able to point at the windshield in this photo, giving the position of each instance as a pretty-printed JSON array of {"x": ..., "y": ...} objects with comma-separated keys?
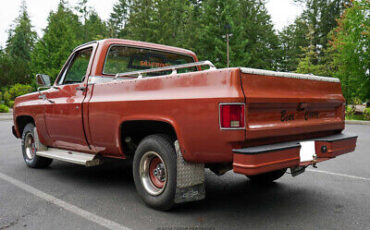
[{"x": 122, "y": 59}]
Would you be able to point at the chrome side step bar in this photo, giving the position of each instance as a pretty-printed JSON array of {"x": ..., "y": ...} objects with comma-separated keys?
[{"x": 86, "y": 159}]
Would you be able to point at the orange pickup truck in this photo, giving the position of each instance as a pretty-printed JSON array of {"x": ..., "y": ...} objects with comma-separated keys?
[{"x": 175, "y": 116}]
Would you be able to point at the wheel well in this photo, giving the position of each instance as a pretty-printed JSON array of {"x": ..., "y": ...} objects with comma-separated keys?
[
  {"x": 132, "y": 132},
  {"x": 22, "y": 121}
]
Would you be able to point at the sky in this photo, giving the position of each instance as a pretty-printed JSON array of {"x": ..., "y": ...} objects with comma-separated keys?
[{"x": 283, "y": 12}]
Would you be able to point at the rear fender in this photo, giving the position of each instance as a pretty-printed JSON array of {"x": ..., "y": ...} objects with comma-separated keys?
[{"x": 145, "y": 118}]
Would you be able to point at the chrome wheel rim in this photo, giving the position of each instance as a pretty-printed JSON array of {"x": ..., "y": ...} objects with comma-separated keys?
[
  {"x": 153, "y": 173},
  {"x": 29, "y": 145}
]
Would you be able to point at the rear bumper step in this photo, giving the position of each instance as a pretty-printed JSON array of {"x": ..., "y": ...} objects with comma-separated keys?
[
  {"x": 267, "y": 158},
  {"x": 332, "y": 146},
  {"x": 267, "y": 148}
]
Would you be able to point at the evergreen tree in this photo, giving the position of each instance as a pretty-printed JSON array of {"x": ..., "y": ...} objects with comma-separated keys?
[
  {"x": 84, "y": 12},
  {"x": 95, "y": 27},
  {"x": 292, "y": 39},
  {"x": 140, "y": 23},
  {"x": 253, "y": 42},
  {"x": 22, "y": 38},
  {"x": 83, "y": 9},
  {"x": 321, "y": 16},
  {"x": 6, "y": 71},
  {"x": 190, "y": 29},
  {"x": 118, "y": 18},
  {"x": 170, "y": 22},
  {"x": 62, "y": 34},
  {"x": 170, "y": 19},
  {"x": 351, "y": 50},
  {"x": 263, "y": 43},
  {"x": 19, "y": 46},
  {"x": 202, "y": 26},
  {"x": 306, "y": 64},
  {"x": 218, "y": 18}
]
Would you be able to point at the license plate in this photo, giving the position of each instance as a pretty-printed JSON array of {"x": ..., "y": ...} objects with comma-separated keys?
[{"x": 307, "y": 152}]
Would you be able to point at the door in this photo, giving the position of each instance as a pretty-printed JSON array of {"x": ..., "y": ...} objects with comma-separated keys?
[{"x": 64, "y": 112}]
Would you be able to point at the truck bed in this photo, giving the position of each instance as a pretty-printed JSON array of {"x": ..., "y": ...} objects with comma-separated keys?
[{"x": 278, "y": 107}]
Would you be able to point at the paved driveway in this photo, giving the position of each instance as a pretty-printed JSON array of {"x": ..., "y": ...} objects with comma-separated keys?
[{"x": 66, "y": 196}]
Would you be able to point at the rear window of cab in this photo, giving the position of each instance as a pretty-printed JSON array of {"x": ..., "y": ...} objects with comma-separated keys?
[{"x": 123, "y": 59}]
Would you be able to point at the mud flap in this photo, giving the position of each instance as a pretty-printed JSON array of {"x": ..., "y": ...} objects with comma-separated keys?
[
  {"x": 39, "y": 146},
  {"x": 190, "y": 179}
]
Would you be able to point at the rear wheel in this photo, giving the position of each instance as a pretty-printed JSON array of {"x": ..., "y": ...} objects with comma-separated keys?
[
  {"x": 29, "y": 149},
  {"x": 267, "y": 178},
  {"x": 154, "y": 171}
]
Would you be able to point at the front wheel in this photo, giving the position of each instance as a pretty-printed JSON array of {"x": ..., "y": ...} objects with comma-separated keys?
[
  {"x": 267, "y": 178},
  {"x": 154, "y": 171},
  {"x": 29, "y": 149}
]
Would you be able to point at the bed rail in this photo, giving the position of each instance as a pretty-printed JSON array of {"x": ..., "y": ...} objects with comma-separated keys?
[{"x": 173, "y": 68}]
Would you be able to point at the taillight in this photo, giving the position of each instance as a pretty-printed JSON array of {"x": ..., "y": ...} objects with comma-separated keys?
[{"x": 232, "y": 116}]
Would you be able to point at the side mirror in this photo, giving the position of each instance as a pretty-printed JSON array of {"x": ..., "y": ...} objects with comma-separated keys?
[{"x": 43, "y": 80}]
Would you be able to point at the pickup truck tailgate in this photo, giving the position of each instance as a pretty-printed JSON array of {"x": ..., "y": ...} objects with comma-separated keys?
[{"x": 288, "y": 104}]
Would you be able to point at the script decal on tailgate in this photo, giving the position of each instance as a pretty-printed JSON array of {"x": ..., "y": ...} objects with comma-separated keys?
[{"x": 289, "y": 116}]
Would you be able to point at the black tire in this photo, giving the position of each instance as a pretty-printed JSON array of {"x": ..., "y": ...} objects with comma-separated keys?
[
  {"x": 267, "y": 178},
  {"x": 161, "y": 145},
  {"x": 35, "y": 161}
]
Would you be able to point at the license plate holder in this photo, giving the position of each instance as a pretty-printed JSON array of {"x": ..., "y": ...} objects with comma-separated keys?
[{"x": 307, "y": 152}]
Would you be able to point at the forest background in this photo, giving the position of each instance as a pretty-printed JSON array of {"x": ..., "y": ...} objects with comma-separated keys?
[{"x": 330, "y": 38}]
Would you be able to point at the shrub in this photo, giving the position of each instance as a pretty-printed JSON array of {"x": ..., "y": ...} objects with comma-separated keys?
[
  {"x": 15, "y": 91},
  {"x": 357, "y": 101},
  {"x": 350, "y": 110},
  {"x": 4, "y": 108},
  {"x": 6, "y": 97},
  {"x": 11, "y": 104},
  {"x": 18, "y": 90},
  {"x": 1, "y": 97},
  {"x": 367, "y": 114}
]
